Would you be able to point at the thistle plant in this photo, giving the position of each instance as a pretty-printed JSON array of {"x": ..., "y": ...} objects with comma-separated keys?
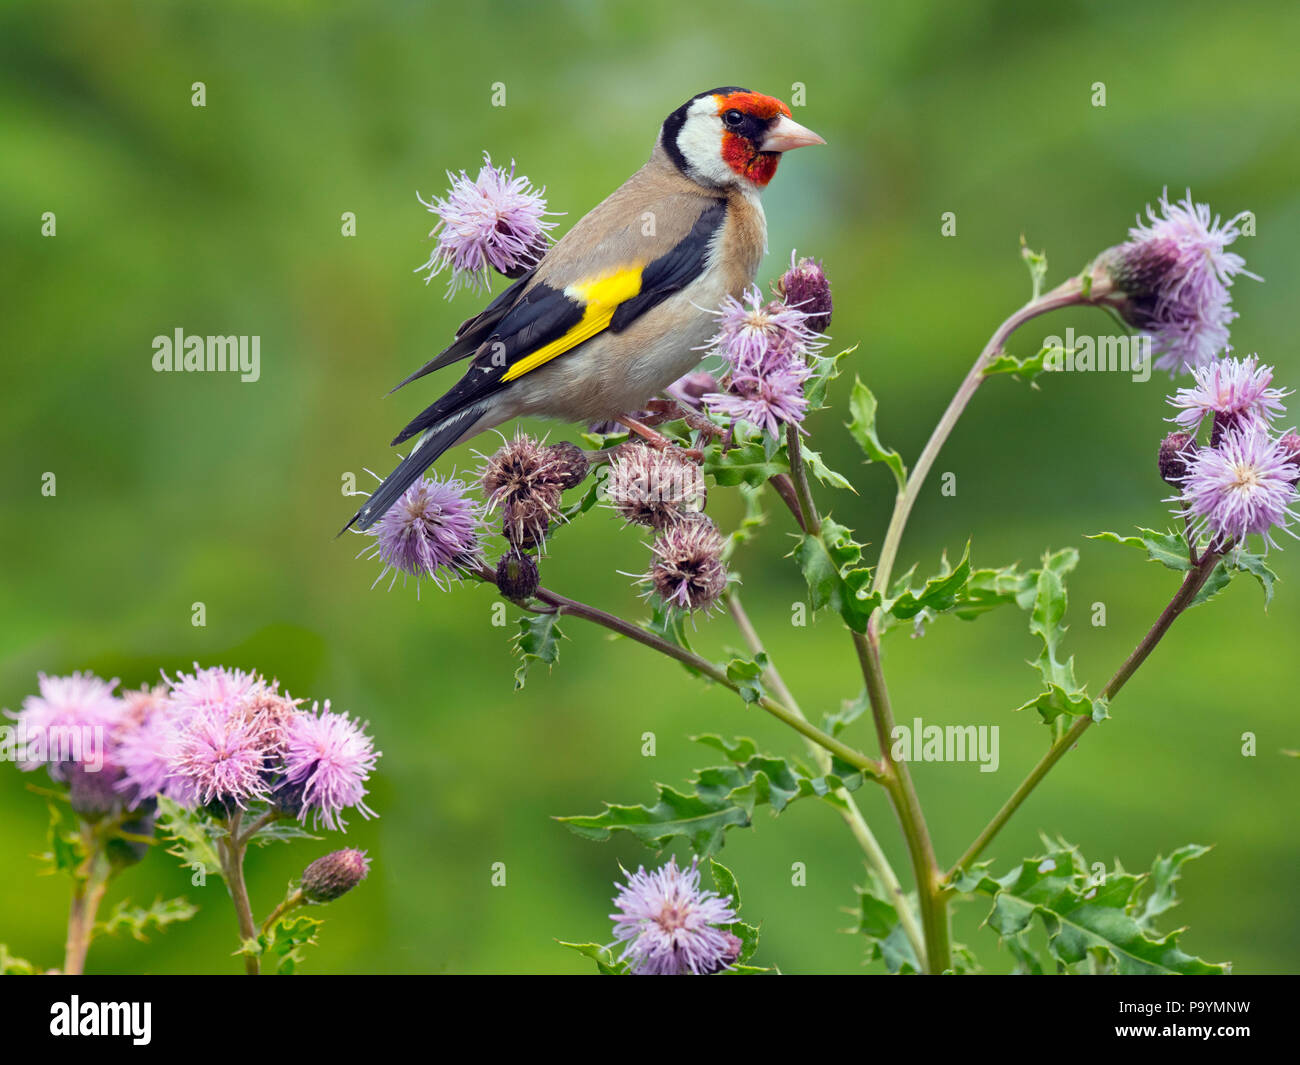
[
  {"x": 745, "y": 426},
  {"x": 206, "y": 765}
]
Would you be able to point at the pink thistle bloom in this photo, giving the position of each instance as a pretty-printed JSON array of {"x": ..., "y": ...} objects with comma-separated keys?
[
  {"x": 216, "y": 688},
  {"x": 1244, "y": 485},
  {"x": 327, "y": 760},
  {"x": 668, "y": 923},
  {"x": 1235, "y": 389},
  {"x": 218, "y": 755},
  {"x": 751, "y": 330},
  {"x": 765, "y": 400},
  {"x": 66, "y": 705},
  {"x": 433, "y": 531},
  {"x": 1174, "y": 273},
  {"x": 496, "y": 221}
]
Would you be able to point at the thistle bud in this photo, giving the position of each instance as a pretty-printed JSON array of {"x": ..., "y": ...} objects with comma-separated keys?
[
  {"x": 569, "y": 464},
  {"x": 729, "y": 955},
  {"x": 525, "y": 522},
  {"x": 1174, "y": 450},
  {"x": 654, "y": 488},
  {"x": 517, "y": 575},
  {"x": 686, "y": 569},
  {"x": 93, "y": 794},
  {"x": 123, "y": 852},
  {"x": 334, "y": 875},
  {"x": 805, "y": 286},
  {"x": 692, "y": 388}
]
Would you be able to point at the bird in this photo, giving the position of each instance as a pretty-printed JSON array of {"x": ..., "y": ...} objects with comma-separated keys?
[{"x": 618, "y": 308}]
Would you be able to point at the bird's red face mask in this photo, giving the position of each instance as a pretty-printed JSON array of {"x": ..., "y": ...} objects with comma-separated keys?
[{"x": 756, "y": 129}]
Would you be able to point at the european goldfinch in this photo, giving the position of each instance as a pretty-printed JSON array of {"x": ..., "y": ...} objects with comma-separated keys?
[{"x": 618, "y": 308}]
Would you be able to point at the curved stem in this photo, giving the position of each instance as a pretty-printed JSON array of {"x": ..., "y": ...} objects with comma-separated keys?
[
  {"x": 293, "y": 899},
  {"x": 1192, "y": 583},
  {"x": 895, "y": 775},
  {"x": 850, "y": 812},
  {"x": 232, "y": 856},
  {"x": 571, "y": 607},
  {"x": 1070, "y": 292},
  {"x": 87, "y": 893}
]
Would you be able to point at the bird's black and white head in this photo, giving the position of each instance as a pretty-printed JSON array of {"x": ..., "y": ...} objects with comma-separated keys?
[{"x": 732, "y": 137}]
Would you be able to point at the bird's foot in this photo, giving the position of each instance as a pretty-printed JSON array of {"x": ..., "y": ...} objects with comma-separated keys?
[{"x": 656, "y": 439}]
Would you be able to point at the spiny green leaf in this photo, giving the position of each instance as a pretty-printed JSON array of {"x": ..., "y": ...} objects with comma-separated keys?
[
  {"x": 283, "y": 945},
  {"x": 607, "y": 964},
  {"x": 192, "y": 833},
  {"x": 824, "y": 473},
  {"x": 139, "y": 920},
  {"x": 826, "y": 368},
  {"x": 862, "y": 408},
  {"x": 1064, "y": 695},
  {"x": 1085, "y": 919},
  {"x": 830, "y": 565},
  {"x": 876, "y": 918},
  {"x": 940, "y": 593},
  {"x": 538, "y": 640},
  {"x": 1167, "y": 548},
  {"x": 745, "y": 462},
  {"x": 747, "y": 675},
  {"x": 1036, "y": 261},
  {"x": 720, "y": 797},
  {"x": 850, "y": 710}
]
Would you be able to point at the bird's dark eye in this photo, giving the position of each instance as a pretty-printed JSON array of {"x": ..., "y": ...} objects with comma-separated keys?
[{"x": 733, "y": 118}]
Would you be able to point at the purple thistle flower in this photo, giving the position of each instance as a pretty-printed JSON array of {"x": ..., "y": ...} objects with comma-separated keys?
[
  {"x": 218, "y": 755},
  {"x": 432, "y": 531},
  {"x": 495, "y": 221},
  {"x": 1244, "y": 485},
  {"x": 668, "y": 923},
  {"x": 144, "y": 748},
  {"x": 1237, "y": 390},
  {"x": 215, "y": 688},
  {"x": 751, "y": 331},
  {"x": 767, "y": 346},
  {"x": 686, "y": 569},
  {"x": 1173, "y": 277},
  {"x": 60, "y": 717},
  {"x": 327, "y": 760},
  {"x": 765, "y": 400}
]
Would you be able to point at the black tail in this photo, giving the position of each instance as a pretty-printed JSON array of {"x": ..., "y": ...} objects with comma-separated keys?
[{"x": 426, "y": 452}]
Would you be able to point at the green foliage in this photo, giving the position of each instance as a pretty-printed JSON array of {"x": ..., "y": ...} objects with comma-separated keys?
[
  {"x": 191, "y": 833},
  {"x": 538, "y": 640},
  {"x": 607, "y": 962},
  {"x": 139, "y": 920},
  {"x": 850, "y": 710},
  {"x": 1063, "y": 695},
  {"x": 939, "y": 594},
  {"x": 66, "y": 852},
  {"x": 876, "y": 918},
  {"x": 281, "y": 830},
  {"x": 826, "y": 369},
  {"x": 831, "y": 564},
  {"x": 862, "y": 426},
  {"x": 1036, "y": 262},
  {"x": 282, "y": 947},
  {"x": 746, "y": 461},
  {"x": 719, "y": 798},
  {"x": 1170, "y": 549},
  {"x": 1090, "y": 920},
  {"x": 1029, "y": 367},
  {"x": 12, "y": 966},
  {"x": 747, "y": 675}
]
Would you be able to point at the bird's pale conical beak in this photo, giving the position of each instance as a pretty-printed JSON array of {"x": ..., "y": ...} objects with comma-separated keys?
[{"x": 787, "y": 134}]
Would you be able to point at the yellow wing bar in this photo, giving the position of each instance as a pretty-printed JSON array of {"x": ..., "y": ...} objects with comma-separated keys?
[{"x": 600, "y": 298}]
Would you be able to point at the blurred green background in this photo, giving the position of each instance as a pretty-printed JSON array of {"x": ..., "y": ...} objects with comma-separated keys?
[{"x": 180, "y": 488}]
